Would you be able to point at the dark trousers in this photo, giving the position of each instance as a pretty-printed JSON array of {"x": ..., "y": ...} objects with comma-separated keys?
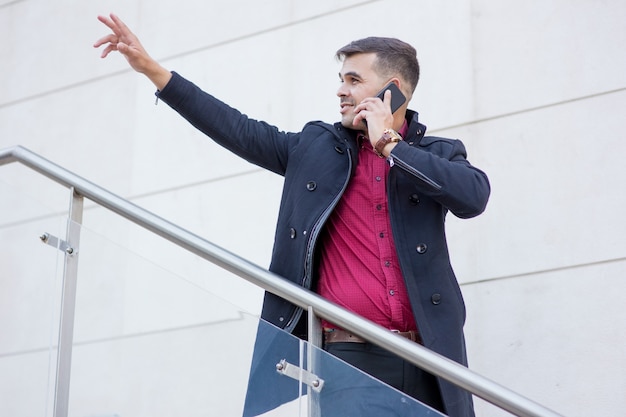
[{"x": 390, "y": 369}]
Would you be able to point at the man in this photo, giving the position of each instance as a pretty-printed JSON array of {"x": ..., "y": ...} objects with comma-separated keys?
[{"x": 363, "y": 208}]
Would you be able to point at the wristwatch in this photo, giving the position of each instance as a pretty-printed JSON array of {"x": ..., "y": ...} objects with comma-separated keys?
[{"x": 389, "y": 136}]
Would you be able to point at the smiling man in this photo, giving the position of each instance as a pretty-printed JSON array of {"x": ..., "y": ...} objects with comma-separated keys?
[{"x": 362, "y": 212}]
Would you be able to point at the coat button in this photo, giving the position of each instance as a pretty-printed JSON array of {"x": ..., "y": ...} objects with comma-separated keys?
[
  {"x": 436, "y": 298},
  {"x": 311, "y": 185},
  {"x": 292, "y": 233},
  {"x": 421, "y": 248},
  {"x": 414, "y": 199}
]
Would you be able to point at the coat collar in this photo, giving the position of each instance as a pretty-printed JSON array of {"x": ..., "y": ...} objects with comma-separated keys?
[{"x": 416, "y": 129}]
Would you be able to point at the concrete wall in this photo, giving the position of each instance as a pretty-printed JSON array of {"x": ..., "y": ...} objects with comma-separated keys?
[{"x": 535, "y": 89}]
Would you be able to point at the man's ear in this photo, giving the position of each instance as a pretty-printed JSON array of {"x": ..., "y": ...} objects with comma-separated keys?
[{"x": 404, "y": 87}]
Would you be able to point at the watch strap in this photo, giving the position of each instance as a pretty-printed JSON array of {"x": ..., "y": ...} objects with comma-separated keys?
[{"x": 389, "y": 136}]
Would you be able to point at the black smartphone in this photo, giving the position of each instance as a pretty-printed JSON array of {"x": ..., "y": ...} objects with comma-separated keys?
[{"x": 397, "y": 98}]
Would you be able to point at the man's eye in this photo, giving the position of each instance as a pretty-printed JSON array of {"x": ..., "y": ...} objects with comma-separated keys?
[{"x": 351, "y": 81}]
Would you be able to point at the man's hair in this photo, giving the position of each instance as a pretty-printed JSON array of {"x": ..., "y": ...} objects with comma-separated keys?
[{"x": 394, "y": 57}]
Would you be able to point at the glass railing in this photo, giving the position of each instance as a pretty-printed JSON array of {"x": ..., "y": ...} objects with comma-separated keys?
[
  {"x": 150, "y": 343},
  {"x": 30, "y": 291},
  {"x": 91, "y": 329},
  {"x": 303, "y": 380},
  {"x": 147, "y": 342}
]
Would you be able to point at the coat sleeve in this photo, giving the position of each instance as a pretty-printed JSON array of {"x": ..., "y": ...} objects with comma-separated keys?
[
  {"x": 257, "y": 142},
  {"x": 441, "y": 170}
]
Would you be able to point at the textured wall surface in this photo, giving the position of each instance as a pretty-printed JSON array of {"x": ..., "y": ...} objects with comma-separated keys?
[{"x": 535, "y": 89}]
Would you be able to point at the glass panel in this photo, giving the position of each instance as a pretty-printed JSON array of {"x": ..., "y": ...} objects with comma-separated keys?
[
  {"x": 30, "y": 288},
  {"x": 150, "y": 343},
  {"x": 349, "y": 392},
  {"x": 345, "y": 391}
]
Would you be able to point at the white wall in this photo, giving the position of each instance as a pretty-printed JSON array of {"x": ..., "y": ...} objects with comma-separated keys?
[{"x": 535, "y": 89}]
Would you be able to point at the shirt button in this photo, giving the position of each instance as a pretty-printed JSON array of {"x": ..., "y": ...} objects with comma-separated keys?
[
  {"x": 387, "y": 264},
  {"x": 392, "y": 293},
  {"x": 381, "y": 234},
  {"x": 378, "y": 178},
  {"x": 379, "y": 207}
]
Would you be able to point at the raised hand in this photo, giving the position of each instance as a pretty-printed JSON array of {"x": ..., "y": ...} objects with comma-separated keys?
[{"x": 125, "y": 42}]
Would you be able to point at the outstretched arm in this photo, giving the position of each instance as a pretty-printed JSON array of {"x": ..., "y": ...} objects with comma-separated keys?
[{"x": 125, "y": 42}]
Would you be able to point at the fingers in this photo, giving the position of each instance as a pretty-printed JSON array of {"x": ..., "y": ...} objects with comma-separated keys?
[
  {"x": 376, "y": 112},
  {"x": 121, "y": 26},
  {"x": 112, "y": 39},
  {"x": 110, "y": 48},
  {"x": 373, "y": 104},
  {"x": 358, "y": 119},
  {"x": 363, "y": 110},
  {"x": 114, "y": 23},
  {"x": 106, "y": 39},
  {"x": 109, "y": 23},
  {"x": 387, "y": 99},
  {"x": 121, "y": 34}
]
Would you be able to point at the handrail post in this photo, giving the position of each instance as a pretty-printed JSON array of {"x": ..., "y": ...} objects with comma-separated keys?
[
  {"x": 68, "y": 304},
  {"x": 313, "y": 355}
]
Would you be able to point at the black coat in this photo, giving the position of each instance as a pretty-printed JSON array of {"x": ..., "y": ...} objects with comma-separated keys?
[{"x": 429, "y": 177}]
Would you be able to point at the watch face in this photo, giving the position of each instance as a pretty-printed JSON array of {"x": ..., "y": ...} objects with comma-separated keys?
[{"x": 390, "y": 133}]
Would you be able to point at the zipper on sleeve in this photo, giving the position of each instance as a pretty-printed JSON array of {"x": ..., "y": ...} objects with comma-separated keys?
[{"x": 393, "y": 160}]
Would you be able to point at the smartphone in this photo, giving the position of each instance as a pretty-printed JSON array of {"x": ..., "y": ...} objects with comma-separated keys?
[{"x": 397, "y": 98}]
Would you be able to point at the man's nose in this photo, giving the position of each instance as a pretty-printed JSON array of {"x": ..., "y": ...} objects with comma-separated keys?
[{"x": 342, "y": 91}]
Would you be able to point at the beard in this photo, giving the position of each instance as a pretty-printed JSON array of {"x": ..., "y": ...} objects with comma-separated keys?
[
  {"x": 348, "y": 122},
  {"x": 347, "y": 118}
]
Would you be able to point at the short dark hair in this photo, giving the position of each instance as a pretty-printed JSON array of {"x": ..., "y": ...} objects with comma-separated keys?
[{"x": 394, "y": 57}]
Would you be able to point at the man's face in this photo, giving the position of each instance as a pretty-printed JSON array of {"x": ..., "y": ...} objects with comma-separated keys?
[{"x": 358, "y": 81}]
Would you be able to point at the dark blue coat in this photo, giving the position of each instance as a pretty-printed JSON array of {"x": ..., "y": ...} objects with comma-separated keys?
[{"x": 429, "y": 177}]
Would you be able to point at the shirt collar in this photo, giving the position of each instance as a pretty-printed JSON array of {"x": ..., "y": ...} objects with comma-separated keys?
[{"x": 404, "y": 129}]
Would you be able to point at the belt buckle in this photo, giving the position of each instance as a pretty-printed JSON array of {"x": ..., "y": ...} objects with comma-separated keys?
[
  {"x": 396, "y": 332},
  {"x": 411, "y": 335}
]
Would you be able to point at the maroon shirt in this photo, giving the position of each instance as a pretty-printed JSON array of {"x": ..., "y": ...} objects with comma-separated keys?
[{"x": 359, "y": 268}]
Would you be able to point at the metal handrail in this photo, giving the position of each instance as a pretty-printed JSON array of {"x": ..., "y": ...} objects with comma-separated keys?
[{"x": 416, "y": 354}]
